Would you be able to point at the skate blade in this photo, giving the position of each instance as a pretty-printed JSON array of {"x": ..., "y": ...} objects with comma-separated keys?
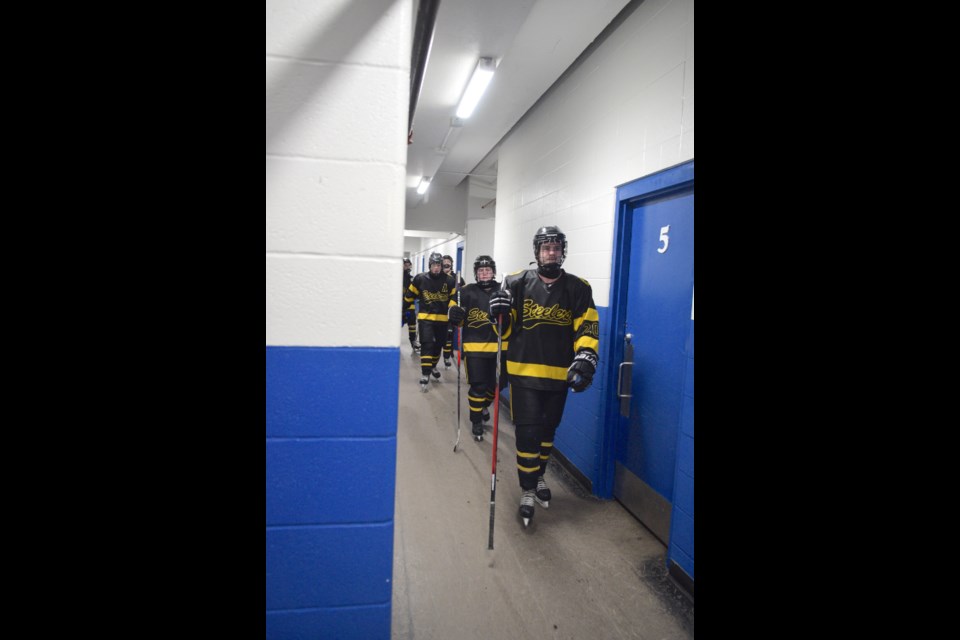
[
  {"x": 423, "y": 388},
  {"x": 543, "y": 503},
  {"x": 526, "y": 522}
]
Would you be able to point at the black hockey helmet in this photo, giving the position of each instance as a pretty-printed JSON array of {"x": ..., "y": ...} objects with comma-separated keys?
[
  {"x": 435, "y": 257},
  {"x": 484, "y": 261},
  {"x": 406, "y": 261},
  {"x": 549, "y": 234}
]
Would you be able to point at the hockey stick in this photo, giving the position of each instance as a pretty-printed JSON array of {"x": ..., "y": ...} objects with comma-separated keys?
[
  {"x": 496, "y": 423},
  {"x": 459, "y": 351}
]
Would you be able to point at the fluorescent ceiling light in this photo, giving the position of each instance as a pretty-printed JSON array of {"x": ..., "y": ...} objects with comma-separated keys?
[
  {"x": 478, "y": 84},
  {"x": 424, "y": 185}
]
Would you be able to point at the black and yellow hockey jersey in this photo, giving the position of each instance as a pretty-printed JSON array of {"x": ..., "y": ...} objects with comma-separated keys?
[
  {"x": 479, "y": 333},
  {"x": 407, "y": 279},
  {"x": 549, "y": 325},
  {"x": 436, "y": 295}
]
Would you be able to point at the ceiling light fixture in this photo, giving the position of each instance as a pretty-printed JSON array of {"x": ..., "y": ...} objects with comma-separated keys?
[
  {"x": 478, "y": 84},
  {"x": 423, "y": 186}
]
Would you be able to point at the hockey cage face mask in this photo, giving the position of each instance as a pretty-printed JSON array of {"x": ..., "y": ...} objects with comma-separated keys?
[
  {"x": 485, "y": 274},
  {"x": 551, "y": 252},
  {"x": 435, "y": 259},
  {"x": 550, "y": 235}
]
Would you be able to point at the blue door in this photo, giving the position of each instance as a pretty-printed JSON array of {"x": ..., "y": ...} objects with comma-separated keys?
[{"x": 653, "y": 321}]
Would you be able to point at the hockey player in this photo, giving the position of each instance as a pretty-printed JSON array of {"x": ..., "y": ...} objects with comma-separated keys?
[
  {"x": 436, "y": 292},
  {"x": 553, "y": 345},
  {"x": 480, "y": 341},
  {"x": 409, "y": 316},
  {"x": 448, "y": 345}
]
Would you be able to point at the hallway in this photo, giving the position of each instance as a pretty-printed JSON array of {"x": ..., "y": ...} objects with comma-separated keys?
[{"x": 585, "y": 568}]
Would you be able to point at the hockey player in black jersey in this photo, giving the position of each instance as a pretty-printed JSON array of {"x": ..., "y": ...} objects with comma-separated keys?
[
  {"x": 448, "y": 345},
  {"x": 554, "y": 343},
  {"x": 409, "y": 312},
  {"x": 436, "y": 292},
  {"x": 480, "y": 341}
]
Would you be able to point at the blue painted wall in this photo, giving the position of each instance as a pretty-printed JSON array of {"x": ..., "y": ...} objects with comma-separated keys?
[
  {"x": 331, "y": 478},
  {"x": 579, "y": 436},
  {"x": 681, "y": 525}
]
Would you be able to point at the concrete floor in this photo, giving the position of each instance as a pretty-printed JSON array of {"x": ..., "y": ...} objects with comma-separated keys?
[{"x": 585, "y": 568}]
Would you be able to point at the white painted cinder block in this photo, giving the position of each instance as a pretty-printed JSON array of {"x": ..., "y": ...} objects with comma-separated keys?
[
  {"x": 336, "y": 111},
  {"x": 332, "y": 207},
  {"x": 333, "y": 301},
  {"x": 337, "y": 84},
  {"x": 665, "y": 107},
  {"x": 340, "y": 31}
]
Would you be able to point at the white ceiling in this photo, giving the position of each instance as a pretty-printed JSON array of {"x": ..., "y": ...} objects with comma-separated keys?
[{"x": 531, "y": 41}]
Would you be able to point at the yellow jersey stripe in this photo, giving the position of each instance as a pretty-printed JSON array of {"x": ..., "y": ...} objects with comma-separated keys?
[
  {"x": 435, "y": 317},
  {"x": 536, "y": 370},
  {"x": 483, "y": 347},
  {"x": 586, "y": 342},
  {"x": 522, "y": 454},
  {"x": 529, "y": 469},
  {"x": 591, "y": 314}
]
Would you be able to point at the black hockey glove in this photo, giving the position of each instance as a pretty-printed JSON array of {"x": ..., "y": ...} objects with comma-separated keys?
[
  {"x": 456, "y": 314},
  {"x": 500, "y": 301},
  {"x": 580, "y": 373}
]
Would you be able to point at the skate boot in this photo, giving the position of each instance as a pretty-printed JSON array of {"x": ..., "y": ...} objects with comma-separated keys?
[
  {"x": 435, "y": 374},
  {"x": 477, "y": 431},
  {"x": 526, "y": 507},
  {"x": 485, "y": 415},
  {"x": 543, "y": 493},
  {"x": 446, "y": 363},
  {"x": 415, "y": 345},
  {"x": 424, "y": 381}
]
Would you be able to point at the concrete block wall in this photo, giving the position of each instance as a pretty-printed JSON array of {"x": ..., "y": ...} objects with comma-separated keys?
[
  {"x": 337, "y": 88},
  {"x": 479, "y": 241},
  {"x": 624, "y": 112}
]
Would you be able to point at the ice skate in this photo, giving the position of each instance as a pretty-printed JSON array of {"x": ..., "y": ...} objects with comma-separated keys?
[
  {"x": 435, "y": 374},
  {"x": 447, "y": 363},
  {"x": 543, "y": 493},
  {"x": 477, "y": 431},
  {"x": 526, "y": 506},
  {"x": 424, "y": 381},
  {"x": 485, "y": 415}
]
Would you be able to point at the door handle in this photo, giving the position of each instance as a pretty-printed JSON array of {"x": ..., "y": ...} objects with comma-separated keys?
[{"x": 620, "y": 380}]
